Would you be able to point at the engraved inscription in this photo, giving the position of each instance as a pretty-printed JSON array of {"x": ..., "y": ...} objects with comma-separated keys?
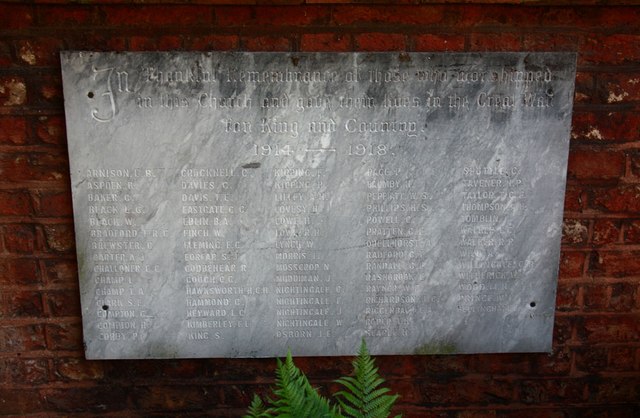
[{"x": 243, "y": 204}]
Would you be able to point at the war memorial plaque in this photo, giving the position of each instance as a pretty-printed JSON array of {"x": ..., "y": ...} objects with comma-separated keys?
[{"x": 240, "y": 204}]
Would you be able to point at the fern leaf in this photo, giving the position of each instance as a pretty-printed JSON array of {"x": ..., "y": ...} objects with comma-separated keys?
[
  {"x": 258, "y": 409},
  {"x": 295, "y": 395},
  {"x": 363, "y": 397}
]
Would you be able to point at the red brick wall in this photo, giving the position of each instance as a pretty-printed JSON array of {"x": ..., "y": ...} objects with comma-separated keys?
[{"x": 594, "y": 370}]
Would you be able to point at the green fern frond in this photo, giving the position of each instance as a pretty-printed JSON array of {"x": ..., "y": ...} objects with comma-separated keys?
[
  {"x": 295, "y": 395},
  {"x": 363, "y": 398},
  {"x": 258, "y": 409}
]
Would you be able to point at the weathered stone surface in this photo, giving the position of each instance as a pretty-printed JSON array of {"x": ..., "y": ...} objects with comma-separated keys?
[{"x": 239, "y": 204}]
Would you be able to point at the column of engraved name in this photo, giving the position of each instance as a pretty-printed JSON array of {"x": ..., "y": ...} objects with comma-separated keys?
[
  {"x": 491, "y": 196},
  {"x": 394, "y": 243},
  {"x": 305, "y": 294},
  {"x": 213, "y": 274},
  {"x": 117, "y": 247}
]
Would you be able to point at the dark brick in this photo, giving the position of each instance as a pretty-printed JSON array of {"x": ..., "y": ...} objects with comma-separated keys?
[
  {"x": 51, "y": 130},
  {"x": 575, "y": 231},
  {"x": 60, "y": 237},
  {"x": 23, "y": 338},
  {"x": 61, "y": 272},
  {"x": 430, "y": 42},
  {"x": 13, "y": 130},
  {"x": 19, "y": 238},
  {"x": 78, "y": 369},
  {"x": 380, "y": 41},
  {"x": 15, "y": 203},
  {"x": 63, "y": 303},
  {"x": 98, "y": 399},
  {"x": 325, "y": 42},
  {"x": 20, "y": 304},
  {"x": 605, "y": 232},
  {"x": 19, "y": 272},
  {"x": 64, "y": 336},
  {"x": 585, "y": 163}
]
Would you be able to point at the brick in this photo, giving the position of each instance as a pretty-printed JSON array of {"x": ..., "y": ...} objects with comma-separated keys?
[
  {"x": 30, "y": 371},
  {"x": 618, "y": 199},
  {"x": 597, "y": 164},
  {"x": 61, "y": 272},
  {"x": 266, "y": 43},
  {"x": 550, "y": 42},
  {"x": 567, "y": 297},
  {"x": 97, "y": 399},
  {"x": 537, "y": 412},
  {"x": 325, "y": 42},
  {"x": 584, "y": 87},
  {"x": 18, "y": 272},
  {"x": 558, "y": 363},
  {"x": 605, "y": 232},
  {"x": 618, "y": 87},
  {"x": 504, "y": 364},
  {"x": 34, "y": 167},
  {"x": 13, "y": 130},
  {"x": 64, "y": 336},
  {"x": 605, "y": 127},
  {"x": 575, "y": 232},
  {"x": 632, "y": 235},
  {"x": 549, "y": 391},
  {"x": 621, "y": 359},
  {"x": 63, "y": 303},
  {"x": 51, "y": 130},
  {"x": 470, "y": 391},
  {"x": 13, "y": 91},
  {"x": 39, "y": 52},
  {"x": 175, "y": 398},
  {"x": 6, "y": 59},
  {"x": 73, "y": 369},
  {"x": 635, "y": 163},
  {"x": 167, "y": 16},
  {"x": 596, "y": 296},
  {"x": 60, "y": 237},
  {"x": 495, "y": 42},
  {"x": 492, "y": 16},
  {"x": 15, "y": 203},
  {"x": 69, "y": 14},
  {"x": 610, "y": 49},
  {"x": 14, "y": 16},
  {"x": 610, "y": 329},
  {"x": 380, "y": 41},
  {"x": 49, "y": 90},
  {"x": 615, "y": 263},
  {"x": 430, "y": 42},
  {"x": 388, "y": 15},
  {"x": 143, "y": 43},
  {"x": 17, "y": 401},
  {"x": 18, "y": 339},
  {"x": 21, "y": 304},
  {"x": 213, "y": 42},
  {"x": 166, "y": 43},
  {"x": 52, "y": 203},
  {"x": 573, "y": 199},
  {"x": 572, "y": 264},
  {"x": 234, "y": 16},
  {"x": 19, "y": 239},
  {"x": 622, "y": 297},
  {"x": 291, "y": 16},
  {"x": 615, "y": 390},
  {"x": 562, "y": 331}
]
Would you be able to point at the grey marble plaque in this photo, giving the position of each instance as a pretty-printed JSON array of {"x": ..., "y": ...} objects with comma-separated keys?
[{"x": 240, "y": 204}]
